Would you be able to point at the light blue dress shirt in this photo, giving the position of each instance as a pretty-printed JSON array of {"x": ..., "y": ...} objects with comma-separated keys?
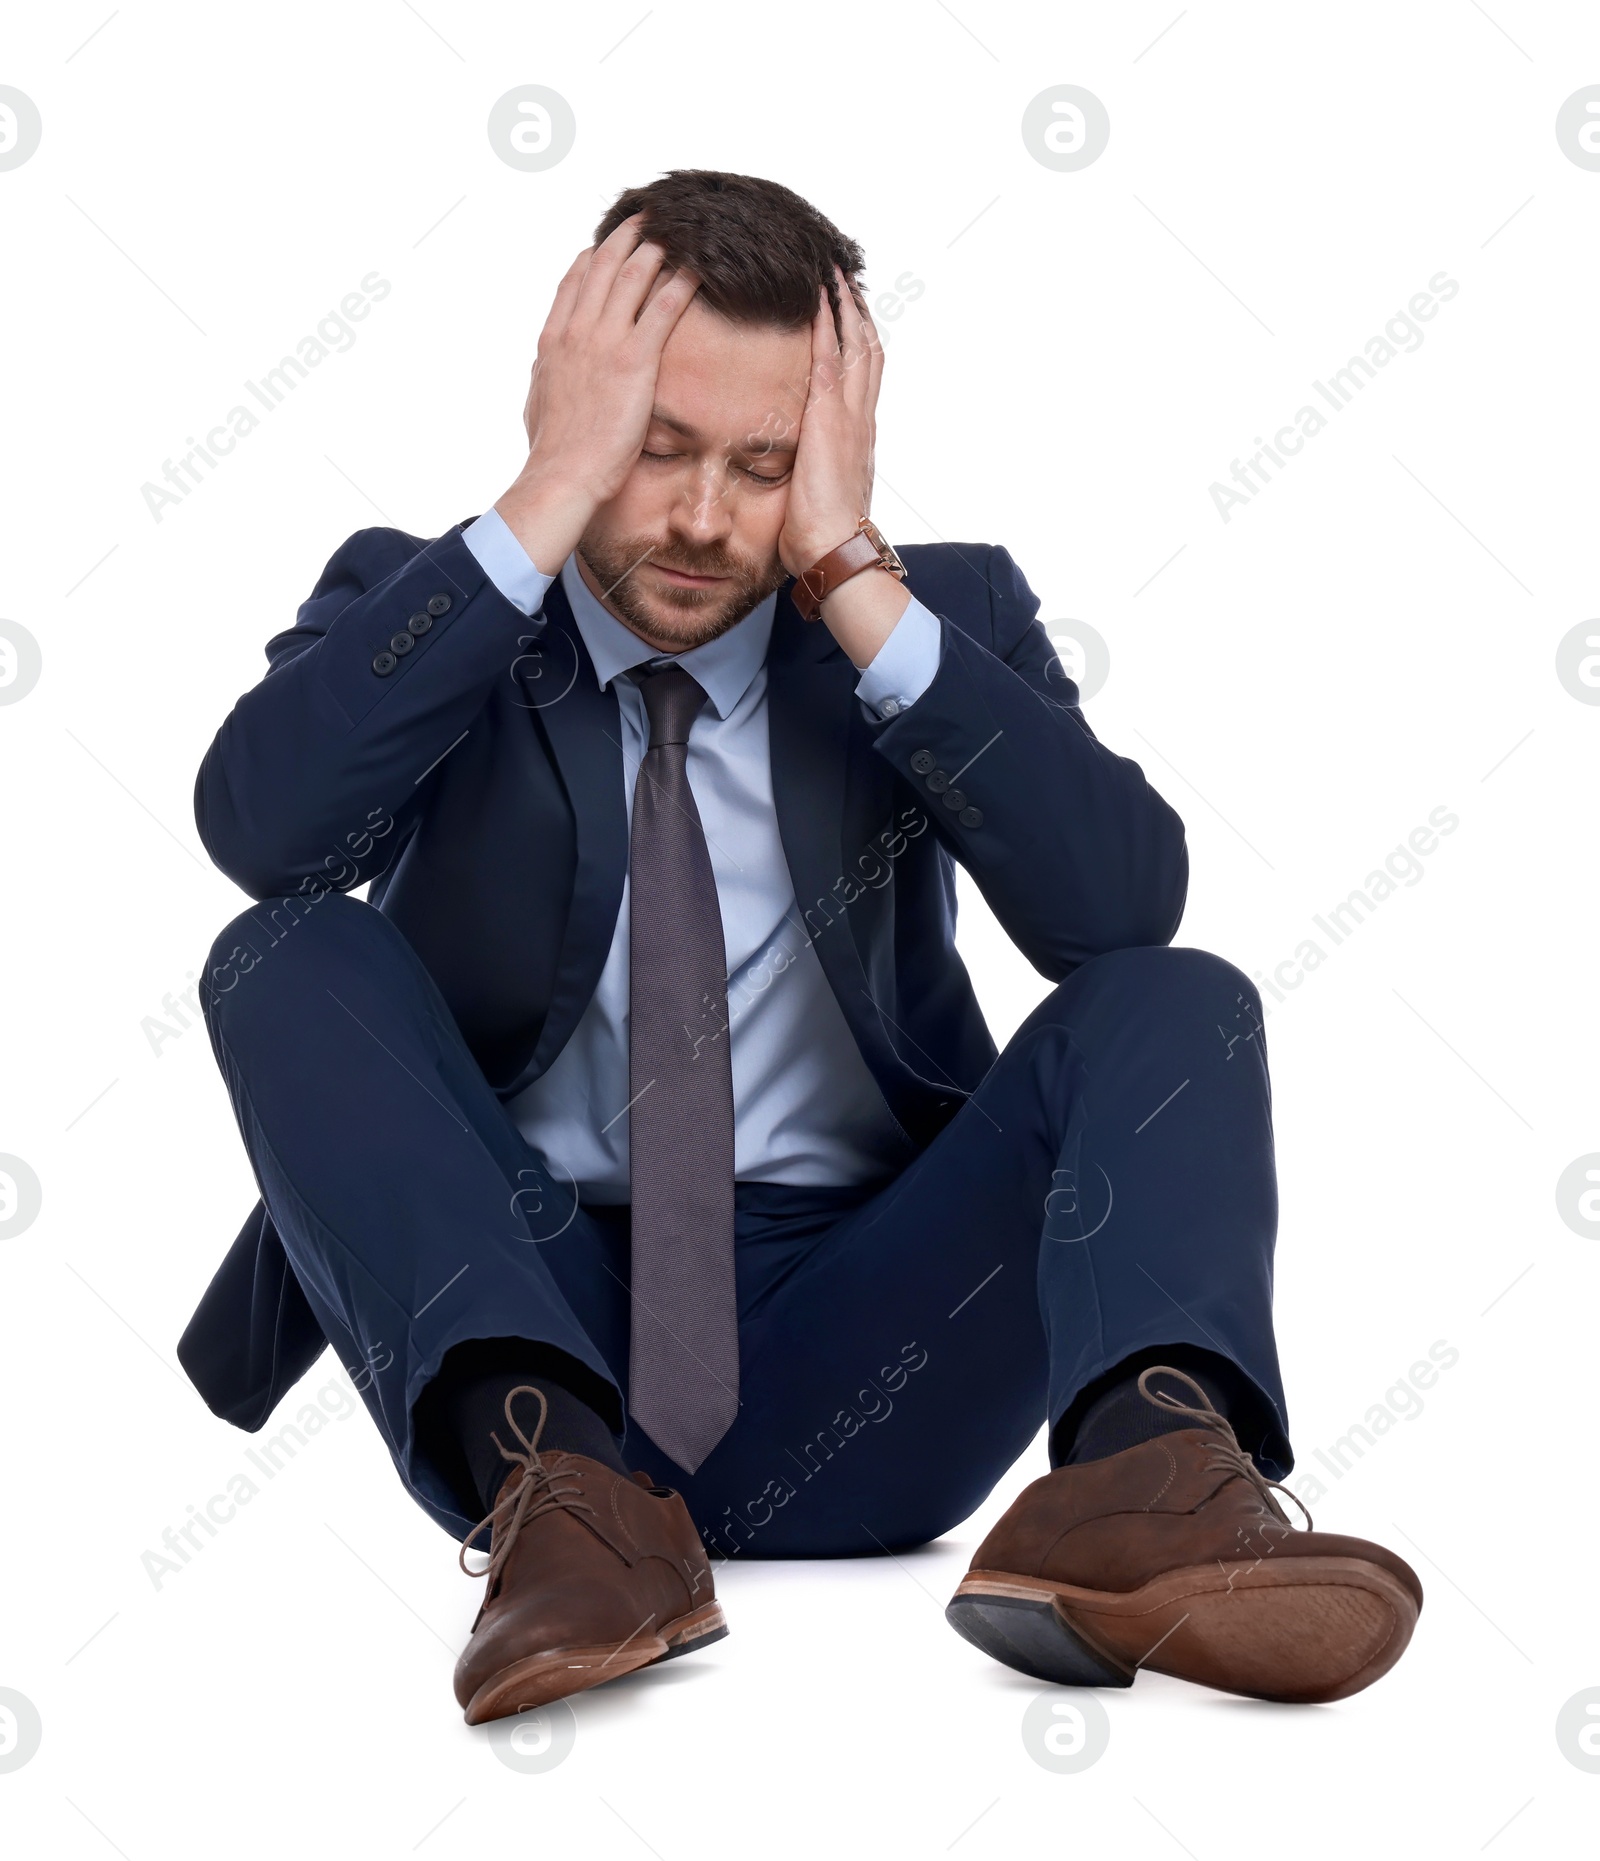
[{"x": 806, "y": 1107}]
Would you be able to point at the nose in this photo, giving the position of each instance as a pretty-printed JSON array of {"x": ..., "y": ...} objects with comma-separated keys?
[{"x": 702, "y": 515}]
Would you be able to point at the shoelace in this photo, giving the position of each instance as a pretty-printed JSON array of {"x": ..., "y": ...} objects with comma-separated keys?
[
  {"x": 537, "y": 1492},
  {"x": 1230, "y": 1457}
]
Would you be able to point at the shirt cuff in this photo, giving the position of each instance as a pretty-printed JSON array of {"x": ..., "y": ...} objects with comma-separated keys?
[
  {"x": 904, "y": 666},
  {"x": 506, "y": 563}
]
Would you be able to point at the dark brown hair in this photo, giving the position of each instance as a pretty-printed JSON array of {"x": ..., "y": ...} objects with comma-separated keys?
[{"x": 761, "y": 253}]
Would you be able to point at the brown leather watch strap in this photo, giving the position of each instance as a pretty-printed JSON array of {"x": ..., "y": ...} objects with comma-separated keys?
[{"x": 858, "y": 552}]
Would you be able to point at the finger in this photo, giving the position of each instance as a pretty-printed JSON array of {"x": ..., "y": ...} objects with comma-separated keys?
[
  {"x": 826, "y": 318},
  {"x": 604, "y": 263},
  {"x": 875, "y": 358},
  {"x": 660, "y": 316},
  {"x": 630, "y": 285},
  {"x": 566, "y": 296},
  {"x": 869, "y": 329},
  {"x": 858, "y": 338},
  {"x": 824, "y": 352}
]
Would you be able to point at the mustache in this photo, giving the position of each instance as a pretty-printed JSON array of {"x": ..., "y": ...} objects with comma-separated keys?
[{"x": 712, "y": 560}]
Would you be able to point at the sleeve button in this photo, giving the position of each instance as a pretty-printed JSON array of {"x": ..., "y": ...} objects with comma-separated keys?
[
  {"x": 402, "y": 644},
  {"x": 384, "y": 664},
  {"x": 420, "y": 622},
  {"x": 953, "y": 798},
  {"x": 440, "y": 604},
  {"x": 938, "y": 782},
  {"x": 971, "y": 817},
  {"x": 923, "y": 761}
]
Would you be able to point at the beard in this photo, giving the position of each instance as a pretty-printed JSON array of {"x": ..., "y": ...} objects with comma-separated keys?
[{"x": 682, "y": 617}]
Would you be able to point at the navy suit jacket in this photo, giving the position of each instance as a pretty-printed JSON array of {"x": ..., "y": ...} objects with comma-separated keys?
[{"x": 478, "y": 784}]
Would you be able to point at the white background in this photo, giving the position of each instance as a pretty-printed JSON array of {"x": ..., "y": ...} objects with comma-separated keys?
[{"x": 1372, "y": 637}]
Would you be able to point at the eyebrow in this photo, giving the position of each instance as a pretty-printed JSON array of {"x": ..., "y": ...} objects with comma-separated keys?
[
  {"x": 662, "y": 418},
  {"x": 755, "y": 445}
]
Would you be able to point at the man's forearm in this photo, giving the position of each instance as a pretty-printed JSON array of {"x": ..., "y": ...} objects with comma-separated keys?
[
  {"x": 546, "y": 515},
  {"x": 861, "y": 613},
  {"x": 345, "y": 727},
  {"x": 1073, "y": 850}
]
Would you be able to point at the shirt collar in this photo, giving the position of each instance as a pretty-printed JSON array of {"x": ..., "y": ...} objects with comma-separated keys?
[{"x": 724, "y": 666}]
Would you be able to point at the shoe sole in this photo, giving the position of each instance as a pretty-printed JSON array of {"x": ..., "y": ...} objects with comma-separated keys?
[
  {"x": 1305, "y": 1629},
  {"x": 543, "y": 1678}
]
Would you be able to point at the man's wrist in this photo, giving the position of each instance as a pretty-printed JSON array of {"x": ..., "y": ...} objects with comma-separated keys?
[
  {"x": 506, "y": 563},
  {"x": 862, "y": 612},
  {"x": 808, "y": 552},
  {"x": 547, "y": 515},
  {"x": 866, "y": 549}
]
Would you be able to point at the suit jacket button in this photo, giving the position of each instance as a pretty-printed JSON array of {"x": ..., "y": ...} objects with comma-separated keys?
[
  {"x": 923, "y": 761},
  {"x": 953, "y": 798},
  {"x": 402, "y": 644},
  {"x": 938, "y": 781},
  {"x": 420, "y": 622},
  {"x": 384, "y": 664},
  {"x": 971, "y": 817},
  {"x": 440, "y": 604}
]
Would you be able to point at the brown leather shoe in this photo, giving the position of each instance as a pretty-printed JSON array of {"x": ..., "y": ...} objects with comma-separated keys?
[
  {"x": 591, "y": 1575},
  {"x": 1174, "y": 1555}
]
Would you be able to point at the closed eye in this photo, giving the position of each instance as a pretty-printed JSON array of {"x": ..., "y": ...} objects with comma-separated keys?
[{"x": 760, "y": 478}]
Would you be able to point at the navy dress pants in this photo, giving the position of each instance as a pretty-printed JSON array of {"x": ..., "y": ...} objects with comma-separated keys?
[{"x": 1109, "y": 1186}]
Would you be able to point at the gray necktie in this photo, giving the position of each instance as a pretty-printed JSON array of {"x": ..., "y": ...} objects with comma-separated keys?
[{"x": 683, "y": 1382}]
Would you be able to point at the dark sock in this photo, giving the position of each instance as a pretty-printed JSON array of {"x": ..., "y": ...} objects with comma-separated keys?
[
  {"x": 1111, "y": 1414},
  {"x": 465, "y": 1405}
]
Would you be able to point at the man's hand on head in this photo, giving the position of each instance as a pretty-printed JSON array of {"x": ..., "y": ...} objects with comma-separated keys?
[
  {"x": 592, "y": 389},
  {"x": 831, "y": 489}
]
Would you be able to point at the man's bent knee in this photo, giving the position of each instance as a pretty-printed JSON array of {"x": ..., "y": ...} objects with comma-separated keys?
[
  {"x": 1159, "y": 965},
  {"x": 262, "y": 941},
  {"x": 1147, "y": 976}
]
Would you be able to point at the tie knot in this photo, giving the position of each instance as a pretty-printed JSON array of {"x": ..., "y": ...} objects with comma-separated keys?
[{"x": 673, "y": 698}]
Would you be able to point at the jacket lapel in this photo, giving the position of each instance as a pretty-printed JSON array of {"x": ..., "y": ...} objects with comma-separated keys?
[
  {"x": 822, "y": 788},
  {"x": 583, "y": 730}
]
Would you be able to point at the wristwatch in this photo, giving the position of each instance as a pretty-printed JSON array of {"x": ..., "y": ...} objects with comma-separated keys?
[{"x": 865, "y": 550}]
